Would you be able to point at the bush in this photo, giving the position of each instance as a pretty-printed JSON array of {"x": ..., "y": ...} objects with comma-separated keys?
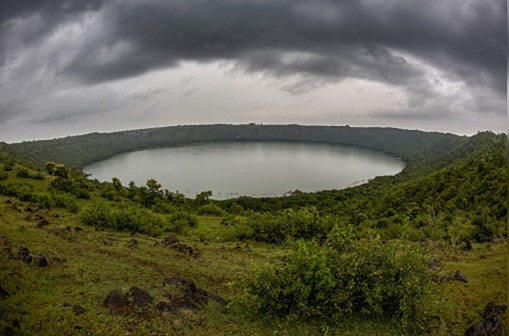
[
  {"x": 289, "y": 224},
  {"x": 180, "y": 221},
  {"x": 122, "y": 218},
  {"x": 23, "y": 173},
  {"x": 210, "y": 209},
  {"x": 345, "y": 277}
]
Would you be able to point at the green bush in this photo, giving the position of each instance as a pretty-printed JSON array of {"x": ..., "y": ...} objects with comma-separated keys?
[
  {"x": 289, "y": 224},
  {"x": 180, "y": 221},
  {"x": 122, "y": 218},
  {"x": 345, "y": 277},
  {"x": 23, "y": 173},
  {"x": 210, "y": 209}
]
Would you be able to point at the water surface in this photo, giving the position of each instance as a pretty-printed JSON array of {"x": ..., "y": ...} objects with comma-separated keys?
[{"x": 248, "y": 169}]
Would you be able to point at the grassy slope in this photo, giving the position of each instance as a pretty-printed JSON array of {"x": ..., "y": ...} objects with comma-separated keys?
[
  {"x": 86, "y": 265},
  {"x": 94, "y": 262}
]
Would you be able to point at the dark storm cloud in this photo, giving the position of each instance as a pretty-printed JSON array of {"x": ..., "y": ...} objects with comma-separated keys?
[
  {"x": 49, "y": 45},
  {"x": 340, "y": 38}
]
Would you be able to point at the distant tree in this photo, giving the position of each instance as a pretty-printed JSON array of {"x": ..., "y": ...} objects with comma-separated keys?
[
  {"x": 203, "y": 197},
  {"x": 50, "y": 167}
]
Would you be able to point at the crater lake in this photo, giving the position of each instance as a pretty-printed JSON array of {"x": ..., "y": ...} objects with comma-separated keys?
[{"x": 233, "y": 169}]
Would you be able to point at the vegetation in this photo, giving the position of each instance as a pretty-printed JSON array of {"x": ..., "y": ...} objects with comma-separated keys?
[{"x": 422, "y": 252}]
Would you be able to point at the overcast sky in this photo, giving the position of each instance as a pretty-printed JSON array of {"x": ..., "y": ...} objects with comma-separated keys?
[{"x": 72, "y": 67}]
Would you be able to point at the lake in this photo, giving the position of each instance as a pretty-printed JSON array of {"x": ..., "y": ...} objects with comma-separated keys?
[{"x": 258, "y": 169}]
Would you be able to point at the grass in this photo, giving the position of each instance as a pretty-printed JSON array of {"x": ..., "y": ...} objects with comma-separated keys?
[{"x": 86, "y": 265}]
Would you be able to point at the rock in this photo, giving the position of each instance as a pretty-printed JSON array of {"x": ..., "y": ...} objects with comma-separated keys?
[
  {"x": 183, "y": 248},
  {"x": 170, "y": 240},
  {"x": 78, "y": 310},
  {"x": 217, "y": 298},
  {"x": 188, "y": 285},
  {"x": 3, "y": 293},
  {"x": 468, "y": 245},
  {"x": 125, "y": 303},
  {"x": 434, "y": 262},
  {"x": 191, "y": 293},
  {"x": 117, "y": 302},
  {"x": 24, "y": 255},
  {"x": 133, "y": 243},
  {"x": 460, "y": 276},
  {"x": 41, "y": 261},
  {"x": 141, "y": 298},
  {"x": 485, "y": 327},
  {"x": 42, "y": 222},
  {"x": 492, "y": 309}
]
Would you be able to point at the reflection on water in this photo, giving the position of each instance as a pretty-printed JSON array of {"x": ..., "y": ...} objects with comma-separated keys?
[{"x": 248, "y": 169}]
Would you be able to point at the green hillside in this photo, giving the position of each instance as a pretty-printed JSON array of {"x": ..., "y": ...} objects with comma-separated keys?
[{"x": 422, "y": 252}]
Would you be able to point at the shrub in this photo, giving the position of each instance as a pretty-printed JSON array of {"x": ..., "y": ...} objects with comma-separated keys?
[
  {"x": 23, "y": 173},
  {"x": 210, "y": 209},
  {"x": 289, "y": 224},
  {"x": 121, "y": 218},
  {"x": 345, "y": 277},
  {"x": 179, "y": 221}
]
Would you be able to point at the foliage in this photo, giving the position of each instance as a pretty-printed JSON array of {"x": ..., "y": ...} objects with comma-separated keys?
[
  {"x": 210, "y": 209},
  {"x": 180, "y": 221},
  {"x": 289, "y": 224},
  {"x": 121, "y": 217},
  {"x": 346, "y": 277}
]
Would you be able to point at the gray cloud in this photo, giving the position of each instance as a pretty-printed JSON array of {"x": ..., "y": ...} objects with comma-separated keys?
[
  {"x": 348, "y": 38},
  {"x": 50, "y": 45}
]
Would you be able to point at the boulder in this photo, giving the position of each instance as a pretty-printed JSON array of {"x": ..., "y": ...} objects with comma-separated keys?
[
  {"x": 459, "y": 276},
  {"x": 24, "y": 255},
  {"x": 41, "y": 261}
]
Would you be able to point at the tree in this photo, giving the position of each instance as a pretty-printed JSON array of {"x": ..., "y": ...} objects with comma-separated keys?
[{"x": 203, "y": 197}]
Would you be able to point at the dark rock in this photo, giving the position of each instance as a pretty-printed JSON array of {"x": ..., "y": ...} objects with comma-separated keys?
[
  {"x": 183, "y": 248},
  {"x": 133, "y": 243},
  {"x": 200, "y": 296},
  {"x": 492, "y": 309},
  {"x": 468, "y": 245},
  {"x": 191, "y": 293},
  {"x": 187, "y": 284},
  {"x": 460, "y": 276},
  {"x": 141, "y": 297},
  {"x": 434, "y": 262},
  {"x": 444, "y": 278},
  {"x": 117, "y": 302},
  {"x": 42, "y": 222},
  {"x": 24, "y": 255},
  {"x": 3, "y": 293},
  {"x": 163, "y": 306},
  {"x": 217, "y": 299},
  {"x": 486, "y": 327},
  {"x": 170, "y": 240},
  {"x": 41, "y": 261},
  {"x": 78, "y": 310}
]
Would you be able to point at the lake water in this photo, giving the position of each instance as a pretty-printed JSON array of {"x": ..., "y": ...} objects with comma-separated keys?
[{"x": 248, "y": 169}]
